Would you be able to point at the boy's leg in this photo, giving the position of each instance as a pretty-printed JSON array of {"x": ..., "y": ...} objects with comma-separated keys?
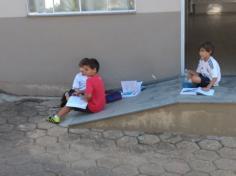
[
  {"x": 57, "y": 118},
  {"x": 64, "y": 99},
  {"x": 66, "y": 96},
  {"x": 195, "y": 79},
  {"x": 63, "y": 111}
]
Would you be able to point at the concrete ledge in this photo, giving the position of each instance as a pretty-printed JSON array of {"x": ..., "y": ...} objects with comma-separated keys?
[
  {"x": 156, "y": 96},
  {"x": 210, "y": 119}
]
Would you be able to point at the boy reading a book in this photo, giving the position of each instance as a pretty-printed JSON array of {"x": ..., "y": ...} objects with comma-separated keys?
[
  {"x": 79, "y": 84},
  {"x": 94, "y": 93},
  {"x": 208, "y": 72}
]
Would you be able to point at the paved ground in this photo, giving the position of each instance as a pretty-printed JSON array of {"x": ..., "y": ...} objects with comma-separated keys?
[{"x": 31, "y": 146}]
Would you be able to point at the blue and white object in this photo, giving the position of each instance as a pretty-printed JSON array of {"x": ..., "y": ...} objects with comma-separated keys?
[
  {"x": 131, "y": 88},
  {"x": 77, "y": 102},
  {"x": 197, "y": 91}
]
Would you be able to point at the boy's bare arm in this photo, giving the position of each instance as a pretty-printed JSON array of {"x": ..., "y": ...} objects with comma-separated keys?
[
  {"x": 87, "y": 97},
  {"x": 210, "y": 85}
]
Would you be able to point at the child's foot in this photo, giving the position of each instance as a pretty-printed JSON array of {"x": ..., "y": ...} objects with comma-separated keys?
[{"x": 54, "y": 119}]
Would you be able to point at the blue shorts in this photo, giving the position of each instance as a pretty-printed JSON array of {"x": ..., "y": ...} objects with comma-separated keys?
[{"x": 204, "y": 81}]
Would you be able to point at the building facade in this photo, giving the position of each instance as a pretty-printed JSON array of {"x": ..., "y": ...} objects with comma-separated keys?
[{"x": 39, "y": 55}]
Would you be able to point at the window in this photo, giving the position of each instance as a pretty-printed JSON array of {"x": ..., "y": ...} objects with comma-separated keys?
[{"x": 70, "y": 7}]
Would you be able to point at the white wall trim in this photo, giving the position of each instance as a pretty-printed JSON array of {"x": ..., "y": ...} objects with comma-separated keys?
[
  {"x": 18, "y": 8},
  {"x": 182, "y": 52},
  {"x": 156, "y": 6}
]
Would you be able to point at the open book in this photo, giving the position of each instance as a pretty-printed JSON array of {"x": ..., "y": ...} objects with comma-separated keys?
[
  {"x": 77, "y": 102},
  {"x": 197, "y": 91}
]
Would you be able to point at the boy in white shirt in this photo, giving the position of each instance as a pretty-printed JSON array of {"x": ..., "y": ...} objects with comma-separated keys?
[
  {"x": 208, "y": 72},
  {"x": 79, "y": 83}
]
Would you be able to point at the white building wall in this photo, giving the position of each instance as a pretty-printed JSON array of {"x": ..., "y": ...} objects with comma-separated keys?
[
  {"x": 39, "y": 55},
  {"x": 149, "y": 6},
  {"x": 18, "y": 8},
  {"x": 13, "y": 8}
]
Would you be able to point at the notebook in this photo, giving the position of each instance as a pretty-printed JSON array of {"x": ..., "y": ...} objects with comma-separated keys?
[
  {"x": 197, "y": 91},
  {"x": 77, "y": 102}
]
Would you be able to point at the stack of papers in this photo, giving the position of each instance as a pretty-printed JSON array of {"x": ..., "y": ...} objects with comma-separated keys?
[
  {"x": 130, "y": 88},
  {"x": 197, "y": 91},
  {"x": 77, "y": 102}
]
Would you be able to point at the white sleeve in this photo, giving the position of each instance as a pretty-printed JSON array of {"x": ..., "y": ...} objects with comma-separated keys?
[
  {"x": 214, "y": 70},
  {"x": 199, "y": 67},
  {"x": 75, "y": 84}
]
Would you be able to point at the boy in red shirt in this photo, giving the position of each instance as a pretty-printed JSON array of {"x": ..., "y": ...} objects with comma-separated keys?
[{"x": 94, "y": 93}]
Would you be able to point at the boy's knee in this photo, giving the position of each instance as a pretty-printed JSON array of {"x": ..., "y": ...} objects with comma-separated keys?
[{"x": 196, "y": 79}]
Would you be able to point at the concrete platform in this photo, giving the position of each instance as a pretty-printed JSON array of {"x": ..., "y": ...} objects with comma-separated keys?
[{"x": 156, "y": 97}]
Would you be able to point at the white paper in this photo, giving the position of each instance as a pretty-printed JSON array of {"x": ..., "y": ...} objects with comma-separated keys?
[
  {"x": 211, "y": 92},
  {"x": 77, "y": 102},
  {"x": 131, "y": 88},
  {"x": 197, "y": 91},
  {"x": 189, "y": 91}
]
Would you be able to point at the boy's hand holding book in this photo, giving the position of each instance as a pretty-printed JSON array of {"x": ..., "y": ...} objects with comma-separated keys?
[{"x": 77, "y": 93}]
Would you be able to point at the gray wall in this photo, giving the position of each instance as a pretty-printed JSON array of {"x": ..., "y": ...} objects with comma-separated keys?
[{"x": 39, "y": 55}]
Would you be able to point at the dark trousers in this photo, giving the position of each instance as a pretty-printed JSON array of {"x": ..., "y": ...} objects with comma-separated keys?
[{"x": 63, "y": 98}]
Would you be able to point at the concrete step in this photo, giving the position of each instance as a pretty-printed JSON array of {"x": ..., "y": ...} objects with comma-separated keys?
[
  {"x": 207, "y": 119},
  {"x": 159, "y": 99}
]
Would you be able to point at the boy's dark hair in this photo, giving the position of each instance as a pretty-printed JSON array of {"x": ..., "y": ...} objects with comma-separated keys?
[
  {"x": 83, "y": 62},
  {"x": 93, "y": 64},
  {"x": 208, "y": 46}
]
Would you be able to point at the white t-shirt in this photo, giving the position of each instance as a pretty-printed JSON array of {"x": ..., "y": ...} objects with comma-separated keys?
[
  {"x": 79, "y": 82},
  {"x": 210, "y": 69}
]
